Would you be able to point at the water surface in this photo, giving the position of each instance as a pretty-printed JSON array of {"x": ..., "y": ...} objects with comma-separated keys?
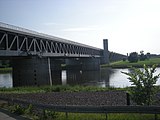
[{"x": 104, "y": 78}]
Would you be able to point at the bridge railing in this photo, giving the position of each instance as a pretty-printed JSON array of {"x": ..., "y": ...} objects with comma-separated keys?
[{"x": 91, "y": 109}]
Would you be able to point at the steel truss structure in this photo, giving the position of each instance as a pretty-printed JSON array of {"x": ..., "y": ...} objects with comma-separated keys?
[{"x": 16, "y": 41}]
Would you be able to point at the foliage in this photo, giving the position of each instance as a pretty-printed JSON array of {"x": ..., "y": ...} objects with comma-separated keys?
[
  {"x": 142, "y": 56},
  {"x": 124, "y": 59},
  {"x": 29, "y": 109},
  {"x": 49, "y": 115},
  {"x": 143, "y": 80},
  {"x": 133, "y": 57},
  {"x": 17, "y": 109},
  {"x": 20, "y": 110}
]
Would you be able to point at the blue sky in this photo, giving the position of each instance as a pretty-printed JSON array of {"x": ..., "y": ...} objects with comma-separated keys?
[{"x": 129, "y": 25}]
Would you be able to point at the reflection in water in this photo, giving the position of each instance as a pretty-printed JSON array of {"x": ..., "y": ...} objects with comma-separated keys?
[
  {"x": 103, "y": 78},
  {"x": 87, "y": 78},
  {"x": 6, "y": 80},
  {"x": 118, "y": 79},
  {"x": 82, "y": 77},
  {"x": 64, "y": 80}
]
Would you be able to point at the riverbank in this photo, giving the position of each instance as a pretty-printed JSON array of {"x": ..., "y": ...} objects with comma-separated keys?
[
  {"x": 105, "y": 98},
  {"x": 58, "y": 88},
  {"x": 72, "y": 95},
  {"x": 5, "y": 70},
  {"x": 32, "y": 112},
  {"x": 127, "y": 64}
]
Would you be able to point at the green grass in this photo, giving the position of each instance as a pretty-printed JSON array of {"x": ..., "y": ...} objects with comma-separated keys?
[
  {"x": 84, "y": 116},
  {"x": 76, "y": 116},
  {"x": 5, "y": 70},
  {"x": 56, "y": 88},
  {"x": 61, "y": 88},
  {"x": 126, "y": 64},
  {"x": 28, "y": 111}
]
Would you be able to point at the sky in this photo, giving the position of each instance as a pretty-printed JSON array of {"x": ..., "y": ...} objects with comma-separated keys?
[{"x": 129, "y": 25}]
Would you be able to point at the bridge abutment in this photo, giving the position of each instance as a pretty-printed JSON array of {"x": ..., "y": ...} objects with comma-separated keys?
[
  {"x": 88, "y": 64},
  {"x": 36, "y": 71}
]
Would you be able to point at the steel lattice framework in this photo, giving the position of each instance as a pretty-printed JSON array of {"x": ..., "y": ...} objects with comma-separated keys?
[{"x": 16, "y": 41}]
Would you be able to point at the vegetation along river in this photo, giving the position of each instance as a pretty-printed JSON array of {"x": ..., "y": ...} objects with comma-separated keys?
[{"x": 104, "y": 78}]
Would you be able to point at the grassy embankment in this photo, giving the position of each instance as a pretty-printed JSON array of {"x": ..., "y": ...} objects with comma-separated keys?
[
  {"x": 83, "y": 116},
  {"x": 28, "y": 112},
  {"x": 71, "y": 116},
  {"x": 127, "y": 64},
  {"x": 58, "y": 88},
  {"x": 5, "y": 70}
]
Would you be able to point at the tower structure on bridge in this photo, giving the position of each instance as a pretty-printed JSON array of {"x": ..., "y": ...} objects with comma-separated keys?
[{"x": 105, "y": 57}]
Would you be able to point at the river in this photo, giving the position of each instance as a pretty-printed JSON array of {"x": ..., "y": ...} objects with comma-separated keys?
[{"x": 104, "y": 78}]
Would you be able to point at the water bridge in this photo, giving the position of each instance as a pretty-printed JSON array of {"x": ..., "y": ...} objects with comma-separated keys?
[{"x": 37, "y": 57}]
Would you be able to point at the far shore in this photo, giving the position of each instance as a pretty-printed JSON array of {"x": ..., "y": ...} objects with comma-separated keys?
[
  {"x": 117, "y": 64},
  {"x": 127, "y": 64}
]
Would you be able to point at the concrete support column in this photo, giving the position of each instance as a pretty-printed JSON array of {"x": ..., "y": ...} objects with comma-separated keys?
[
  {"x": 83, "y": 64},
  {"x": 105, "y": 57},
  {"x": 56, "y": 71},
  {"x": 35, "y": 71}
]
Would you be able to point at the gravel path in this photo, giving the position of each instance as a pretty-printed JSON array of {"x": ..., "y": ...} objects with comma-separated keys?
[{"x": 109, "y": 98}]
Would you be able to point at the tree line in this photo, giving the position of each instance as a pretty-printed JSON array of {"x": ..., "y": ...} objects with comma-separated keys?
[{"x": 135, "y": 57}]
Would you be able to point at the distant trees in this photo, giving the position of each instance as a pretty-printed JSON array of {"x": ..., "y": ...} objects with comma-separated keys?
[
  {"x": 134, "y": 57},
  {"x": 142, "y": 56}
]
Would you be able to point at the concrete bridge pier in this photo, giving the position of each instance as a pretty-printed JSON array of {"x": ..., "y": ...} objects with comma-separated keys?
[
  {"x": 87, "y": 64},
  {"x": 34, "y": 71}
]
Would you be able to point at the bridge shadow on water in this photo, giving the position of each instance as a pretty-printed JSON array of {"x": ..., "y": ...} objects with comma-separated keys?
[{"x": 87, "y": 78}]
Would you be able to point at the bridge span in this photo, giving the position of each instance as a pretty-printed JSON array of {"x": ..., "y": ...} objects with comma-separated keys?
[
  {"x": 16, "y": 41},
  {"x": 37, "y": 57}
]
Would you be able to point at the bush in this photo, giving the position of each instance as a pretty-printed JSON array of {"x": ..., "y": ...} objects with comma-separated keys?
[
  {"x": 143, "y": 80},
  {"x": 49, "y": 115},
  {"x": 17, "y": 109}
]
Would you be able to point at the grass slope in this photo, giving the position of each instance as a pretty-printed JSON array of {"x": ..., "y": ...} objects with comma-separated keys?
[
  {"x": 5, "y": 70},
  {"x": 126, "y": 64}
]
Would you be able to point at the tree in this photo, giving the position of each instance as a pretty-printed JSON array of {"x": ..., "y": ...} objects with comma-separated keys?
[
  {"x": 148, "y": 55},
  {"x": 142, "y": 56},
  {"x": 133, "y": 57},
  {"x": 143, "y": 81}
]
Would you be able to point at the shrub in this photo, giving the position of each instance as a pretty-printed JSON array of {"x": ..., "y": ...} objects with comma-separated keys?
[
  {"x": 17, "y": 109},
  {"x": 143, "y": 80}
]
